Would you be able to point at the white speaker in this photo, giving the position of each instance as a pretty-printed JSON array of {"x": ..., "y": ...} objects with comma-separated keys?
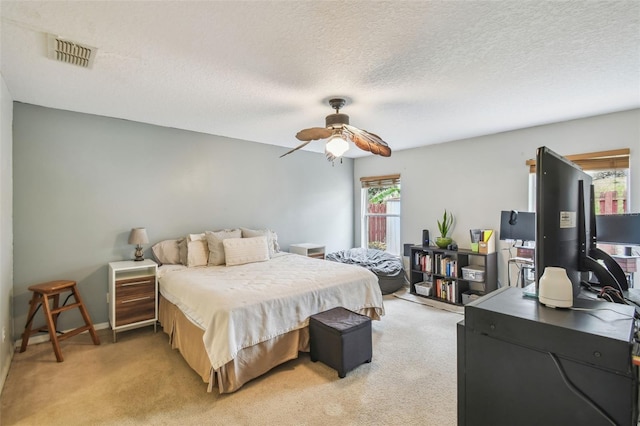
[{"x": 555, "y": 289}]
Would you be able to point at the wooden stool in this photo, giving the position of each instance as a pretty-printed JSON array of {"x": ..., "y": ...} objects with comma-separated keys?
[{"x": 42, "y": 293}]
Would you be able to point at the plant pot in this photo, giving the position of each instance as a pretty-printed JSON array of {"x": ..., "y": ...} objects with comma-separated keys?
[{"x": 443, "y": 242}]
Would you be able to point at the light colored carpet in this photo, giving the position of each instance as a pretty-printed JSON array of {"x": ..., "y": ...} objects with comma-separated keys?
[{"x": 141, "y": 380}]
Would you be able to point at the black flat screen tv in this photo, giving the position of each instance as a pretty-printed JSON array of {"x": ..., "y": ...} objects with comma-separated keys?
[
  {"x": 562, "y": 218},
  {"x": 621, "y": 229}
]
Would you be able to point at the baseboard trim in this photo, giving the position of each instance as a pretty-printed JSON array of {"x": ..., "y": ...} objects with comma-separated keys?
[
  {"x": 33, "y": 340},
  {"x": 5, "y": 371}
]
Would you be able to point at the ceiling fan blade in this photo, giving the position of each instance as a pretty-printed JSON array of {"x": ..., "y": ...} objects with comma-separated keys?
[
  {"x": 302, "y": 145},
  {"x": 313, "y": 134},
  {"x": 367, "y": 141}
]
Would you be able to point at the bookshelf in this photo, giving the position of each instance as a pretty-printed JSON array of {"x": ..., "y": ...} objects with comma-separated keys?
[{"x": 441, "y": 270}]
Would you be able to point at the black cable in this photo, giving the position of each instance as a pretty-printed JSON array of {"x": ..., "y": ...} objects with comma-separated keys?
[
  {"x": 32, "y": 315},
  {"x": 578, "y": 392},
  {"x": 38, "y": 308},
  {"x": 615, "y": 295}
]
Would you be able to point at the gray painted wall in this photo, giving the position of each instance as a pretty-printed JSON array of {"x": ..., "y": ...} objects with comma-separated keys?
[
  {"x": 81, "y": 182},
  {"x": 477, "y": 178},
  {"x": 6, "y": 230}
]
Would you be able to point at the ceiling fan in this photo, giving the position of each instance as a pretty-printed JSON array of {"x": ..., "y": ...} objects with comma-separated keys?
[{"x": 339, "y": 131}]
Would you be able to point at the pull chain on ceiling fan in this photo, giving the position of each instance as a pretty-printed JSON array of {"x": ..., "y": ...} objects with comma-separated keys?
[{"x": 339, "y": 131}]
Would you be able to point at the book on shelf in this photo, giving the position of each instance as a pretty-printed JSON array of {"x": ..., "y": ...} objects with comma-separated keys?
[
  {"x": 422, "y": 262},
  {"x": 445, "y": 265},
  {"x": 446, "y": 290},
  {"x": 450, "y": 267}
]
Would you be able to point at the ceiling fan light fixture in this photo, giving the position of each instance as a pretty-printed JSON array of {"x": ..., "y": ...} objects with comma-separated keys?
[
  {"x": 339, "y": 132},
  {"x": 337, "y": 145}
]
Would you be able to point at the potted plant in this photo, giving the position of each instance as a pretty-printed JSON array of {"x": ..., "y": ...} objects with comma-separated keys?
[{"x": 445, "y": 226}]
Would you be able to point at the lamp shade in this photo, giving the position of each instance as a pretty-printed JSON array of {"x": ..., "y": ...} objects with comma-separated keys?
[
  {"x": 138, "y": 236},
  {"x": 336, "y": 145}
]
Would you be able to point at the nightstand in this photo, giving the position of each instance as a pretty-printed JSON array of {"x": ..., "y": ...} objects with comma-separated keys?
[
  {"x": 133, "y": 295},
  {"x": 308, "y": 249}
]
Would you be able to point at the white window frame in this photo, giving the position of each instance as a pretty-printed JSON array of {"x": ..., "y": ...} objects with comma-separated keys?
[{"x": 380, "y": 181}]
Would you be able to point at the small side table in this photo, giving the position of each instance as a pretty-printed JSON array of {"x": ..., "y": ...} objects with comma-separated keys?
[
  {"x": 308, "y": 249},
  {"x": 132, "y": 298}
]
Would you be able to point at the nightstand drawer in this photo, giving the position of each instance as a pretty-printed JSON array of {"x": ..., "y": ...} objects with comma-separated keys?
[
  {"x": 132, "y": 287},
  {"x": 135, "y": 308}
]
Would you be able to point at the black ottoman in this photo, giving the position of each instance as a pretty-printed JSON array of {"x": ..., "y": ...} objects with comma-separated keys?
[{"x": 341, "y": 339}]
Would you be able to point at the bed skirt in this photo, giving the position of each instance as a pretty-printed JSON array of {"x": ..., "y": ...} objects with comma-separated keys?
[{"x": 249, "y": 363}]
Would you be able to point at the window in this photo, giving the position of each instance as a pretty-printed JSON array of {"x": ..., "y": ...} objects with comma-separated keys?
[
  {"x": 611, "y": 190},
  {"x": 381, "y": 213}
]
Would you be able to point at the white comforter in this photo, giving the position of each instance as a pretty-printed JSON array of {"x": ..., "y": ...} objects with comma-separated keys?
[{"x": 240, "y": 306}]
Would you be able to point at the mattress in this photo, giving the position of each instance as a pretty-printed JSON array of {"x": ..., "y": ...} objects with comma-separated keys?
[{"x": 245, "y": 307}]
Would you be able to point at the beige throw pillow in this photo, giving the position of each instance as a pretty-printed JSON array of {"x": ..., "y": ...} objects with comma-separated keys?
[
  {"x": 272, "y": 238},
  {"x": 216, "y": 248},
  {"x": 167, "y": 252},
  {"x": 197, "y": 253},
  {"x": 196, "y": 237},
  {"x": 182, "y": 250},
  {"x": 239, "y": 251}
]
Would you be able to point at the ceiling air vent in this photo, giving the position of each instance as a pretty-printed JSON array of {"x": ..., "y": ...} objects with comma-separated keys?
[{"x": 71, "y": 52}]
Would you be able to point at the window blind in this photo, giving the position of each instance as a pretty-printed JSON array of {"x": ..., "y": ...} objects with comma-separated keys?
[
  {"x": 602, "y": 160},
  {"x": 380, "y": 181}
]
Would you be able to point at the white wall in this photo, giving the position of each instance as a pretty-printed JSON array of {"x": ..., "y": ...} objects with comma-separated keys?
[
  {"x": 479, "y": 177},
  {"x": 81, "y": 182},
  {"x": 6, "y": 230}
]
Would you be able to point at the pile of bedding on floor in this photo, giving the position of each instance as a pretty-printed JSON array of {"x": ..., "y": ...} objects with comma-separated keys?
[{"x": 386, "y": 266}]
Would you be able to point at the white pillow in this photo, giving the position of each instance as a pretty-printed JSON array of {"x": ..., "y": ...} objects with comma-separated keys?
[
  {"x": 167, "y": 252},
  {"x": 197, "y": 253},
  {"x": 183, "y": 247},
  {"x": 239, "y": 251},
  {"x": 196, "y": 237},
  {"x": 272, "y": 238},
  {"x": 214, "y": 241}
]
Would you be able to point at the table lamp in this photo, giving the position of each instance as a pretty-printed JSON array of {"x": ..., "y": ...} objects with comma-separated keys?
[{"x": 138, "y": 236}]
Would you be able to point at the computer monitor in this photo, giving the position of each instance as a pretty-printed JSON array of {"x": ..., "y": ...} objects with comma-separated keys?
[
  {"x": 559, "y": 203},
  {"x": 516, "y": 225},
  {"x": 621, "y": 229},
  {"x": 566, "y": 229}
]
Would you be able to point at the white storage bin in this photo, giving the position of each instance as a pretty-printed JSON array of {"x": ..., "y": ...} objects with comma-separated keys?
[
  {"x": 473, "y": 273},
  {"x": 423, "y": 289}
]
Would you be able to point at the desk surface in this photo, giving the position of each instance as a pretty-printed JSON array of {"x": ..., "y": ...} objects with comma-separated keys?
[{"x": 610, "y": 320}]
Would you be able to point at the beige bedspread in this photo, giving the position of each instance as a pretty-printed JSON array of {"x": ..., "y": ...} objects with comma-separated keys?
[{"x": 241, "y": 306}]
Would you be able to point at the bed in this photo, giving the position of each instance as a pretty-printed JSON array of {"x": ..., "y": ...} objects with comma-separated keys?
[{"x": 233, "y": 323}]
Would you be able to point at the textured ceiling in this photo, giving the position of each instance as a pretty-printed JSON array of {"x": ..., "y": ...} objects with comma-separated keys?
[{"x": 416, "y": 73}]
